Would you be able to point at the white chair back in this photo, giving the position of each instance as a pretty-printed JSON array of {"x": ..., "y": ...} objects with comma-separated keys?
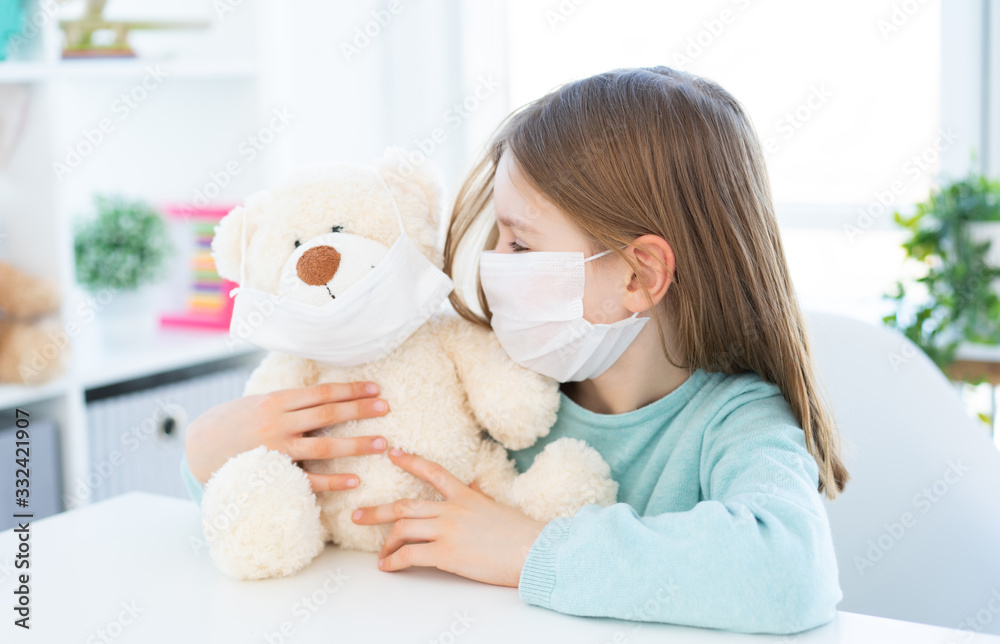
[{"x": 917, "y": 529}]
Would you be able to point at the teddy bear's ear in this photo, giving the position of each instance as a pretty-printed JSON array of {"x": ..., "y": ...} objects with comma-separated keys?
[
  {"x": 227, "y": 251},
  {"x": 416, "y": 171}
]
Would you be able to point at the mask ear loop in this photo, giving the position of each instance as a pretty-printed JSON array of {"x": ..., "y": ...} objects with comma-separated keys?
[
  {"x": 243, "y": 254},
  {"x": 399, "y": 215},
  {"x": 601, "y": 254}
]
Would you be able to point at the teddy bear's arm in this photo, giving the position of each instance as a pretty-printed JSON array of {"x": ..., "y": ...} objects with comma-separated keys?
[
  {"x": 281, "y": 371},
  {"x": 515, "y": 405}
]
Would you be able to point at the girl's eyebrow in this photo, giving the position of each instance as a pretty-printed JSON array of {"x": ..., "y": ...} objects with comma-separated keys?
[{"x": 517, "y": 224}]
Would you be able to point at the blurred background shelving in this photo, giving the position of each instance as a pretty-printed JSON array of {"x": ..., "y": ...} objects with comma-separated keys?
[{"x": 200, "y": 99}]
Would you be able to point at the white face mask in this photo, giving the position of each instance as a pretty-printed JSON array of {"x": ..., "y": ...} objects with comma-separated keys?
[
  {"x": 537, "y": 303},
  {"x": 371, "y": 318}
]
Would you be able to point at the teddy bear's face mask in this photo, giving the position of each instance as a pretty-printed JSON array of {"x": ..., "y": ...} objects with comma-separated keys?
[{"x": 342, "y": 299}]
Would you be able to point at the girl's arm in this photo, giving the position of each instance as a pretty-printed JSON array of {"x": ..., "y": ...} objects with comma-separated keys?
[
  {"x": 194, "y": 487},
  {"x": 756, "y": 556}
]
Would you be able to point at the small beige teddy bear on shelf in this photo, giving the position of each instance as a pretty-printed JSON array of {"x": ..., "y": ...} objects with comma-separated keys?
[{"x": 297, "y": 252}]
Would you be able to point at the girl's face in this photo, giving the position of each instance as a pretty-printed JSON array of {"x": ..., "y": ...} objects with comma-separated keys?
[{"x": 528, "y": 222}]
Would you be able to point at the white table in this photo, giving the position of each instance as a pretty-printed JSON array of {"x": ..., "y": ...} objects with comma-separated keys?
[{"x": 132, "y": 567}]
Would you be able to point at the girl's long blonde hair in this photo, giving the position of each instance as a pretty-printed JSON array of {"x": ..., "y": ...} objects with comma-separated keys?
[{"x": 659, "y": 151}]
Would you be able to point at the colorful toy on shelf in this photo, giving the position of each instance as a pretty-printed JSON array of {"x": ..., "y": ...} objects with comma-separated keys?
[
  {"x": 11, "y": 15},
  {"x": 208, "y": 303},
  {"x": 80, "y": 33}
]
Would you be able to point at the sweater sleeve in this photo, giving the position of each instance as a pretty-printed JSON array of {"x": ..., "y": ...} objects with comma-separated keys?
[
  {"x": 755, "y": 556},
  {"x": 194, "y": 487}
]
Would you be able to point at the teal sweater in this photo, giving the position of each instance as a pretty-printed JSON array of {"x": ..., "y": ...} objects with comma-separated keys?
[{"x": 718, "y": 522}]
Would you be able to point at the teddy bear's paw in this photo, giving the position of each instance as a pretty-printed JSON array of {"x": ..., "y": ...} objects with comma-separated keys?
[
  {"x": 519, "y": 410},
  {"x": 567, "y": 475},
  {"x": 260, "y": 516}
]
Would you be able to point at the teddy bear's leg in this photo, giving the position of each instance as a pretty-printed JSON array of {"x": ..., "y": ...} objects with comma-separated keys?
[
  {"x": 260, "y": 516},
  {"x": 564, "y": 477},
  {"x": 495, "y": 472}
]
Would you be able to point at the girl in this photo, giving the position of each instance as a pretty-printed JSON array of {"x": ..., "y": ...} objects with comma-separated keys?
[{"x": 711, "y": 418}]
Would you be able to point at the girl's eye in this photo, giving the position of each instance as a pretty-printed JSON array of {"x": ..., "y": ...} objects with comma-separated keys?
[
  {"x": 337, "y": 229},
  {"x": 516, "y": 247}
]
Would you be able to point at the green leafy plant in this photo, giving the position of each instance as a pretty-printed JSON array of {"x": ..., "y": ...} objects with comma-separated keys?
[
  {"x": 961, "y": 303},
  {"x": 125, "y": 246}
]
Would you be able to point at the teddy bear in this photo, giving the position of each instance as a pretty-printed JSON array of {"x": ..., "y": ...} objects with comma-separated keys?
[
  {"x": 28, "y": 323},
  {"x": 455, "y": 397}
]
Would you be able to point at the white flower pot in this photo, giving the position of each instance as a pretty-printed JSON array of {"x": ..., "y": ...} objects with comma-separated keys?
[
  {"x": 129, "y": 318},
  {"x": 981, "y": 231}
]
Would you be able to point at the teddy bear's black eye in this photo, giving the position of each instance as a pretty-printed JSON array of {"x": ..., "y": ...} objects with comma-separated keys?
[
  {"x": 297, "y": 243},
  {"x": 337, "y": 229}
]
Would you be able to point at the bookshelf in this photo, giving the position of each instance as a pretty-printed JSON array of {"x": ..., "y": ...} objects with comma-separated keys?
[{"x": 177, "y": 116}]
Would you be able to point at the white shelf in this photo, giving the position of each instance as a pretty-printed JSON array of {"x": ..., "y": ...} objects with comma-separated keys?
[
  {"x": 16, "y": 72},
  {"x": 17, "y": 395},
  {"x": 978, "y": 352},
  {"x": 97, "y": 365}
]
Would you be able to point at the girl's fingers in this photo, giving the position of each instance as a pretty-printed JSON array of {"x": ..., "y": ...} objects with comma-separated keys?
[
  {"x": 330, "y": 482},
  {"x": 446, "y": 483},
  {"x": 327, "y": 392},
  {"x": 310, "y": 418},
  {"x": 400, "y": 509},
  {"x": 412, "y": 554},
  {"x": 322, "y": 447},
  {"x": 406, "y": 531}
]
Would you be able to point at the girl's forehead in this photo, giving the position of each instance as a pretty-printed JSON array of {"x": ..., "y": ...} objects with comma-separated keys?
[{"x": 517, "y": 203}]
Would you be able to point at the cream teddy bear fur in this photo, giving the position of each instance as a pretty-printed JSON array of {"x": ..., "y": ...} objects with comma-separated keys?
[{"x": 445, "y": 384}]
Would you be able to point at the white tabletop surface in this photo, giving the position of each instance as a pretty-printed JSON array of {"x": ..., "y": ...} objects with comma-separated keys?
[{"x": 131, "y": 569}]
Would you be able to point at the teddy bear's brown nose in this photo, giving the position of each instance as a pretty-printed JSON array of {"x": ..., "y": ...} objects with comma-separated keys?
[{"x": 318, "y": 265}]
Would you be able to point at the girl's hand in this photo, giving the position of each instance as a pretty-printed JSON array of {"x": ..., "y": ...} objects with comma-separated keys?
[
  {"x": 468, "y": 533},
  {"x": 277, "y": 421}
]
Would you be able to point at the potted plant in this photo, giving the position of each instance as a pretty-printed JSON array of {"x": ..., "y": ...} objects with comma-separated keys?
[
  {"x": 955, "y": 233},
  {"x": 119, "y": 252}
]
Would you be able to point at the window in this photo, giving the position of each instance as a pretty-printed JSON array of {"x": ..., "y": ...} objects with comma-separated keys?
[{"x": 844, "y": 97}]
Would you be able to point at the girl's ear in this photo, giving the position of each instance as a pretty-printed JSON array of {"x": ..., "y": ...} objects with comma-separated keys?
[
  {"x": 415, "y": 174},
  {"x": 227, "y": 252},
  {"x": 657, "y": 264}
]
